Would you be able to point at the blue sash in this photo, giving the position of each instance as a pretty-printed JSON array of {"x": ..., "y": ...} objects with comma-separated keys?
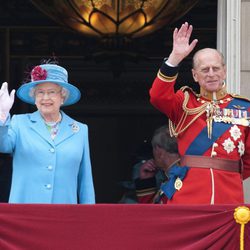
[
  {"x": 168, "y": 187},
  {"x": 202, "y": 143}
]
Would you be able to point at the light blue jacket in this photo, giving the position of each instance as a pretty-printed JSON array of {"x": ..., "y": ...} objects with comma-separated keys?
[{"x": 47, "y": 171}]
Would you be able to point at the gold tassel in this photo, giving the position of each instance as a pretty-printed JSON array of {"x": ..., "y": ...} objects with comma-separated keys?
[{"x": 242, "y": 216}]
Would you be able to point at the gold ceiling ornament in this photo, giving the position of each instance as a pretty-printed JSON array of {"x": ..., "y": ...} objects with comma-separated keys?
[{"x": 115, "y": 18}]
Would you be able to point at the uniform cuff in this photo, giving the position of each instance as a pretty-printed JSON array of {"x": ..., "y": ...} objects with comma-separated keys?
[
  {"x": 145, "y": 183},
  {"x": 168, "y": 70}
]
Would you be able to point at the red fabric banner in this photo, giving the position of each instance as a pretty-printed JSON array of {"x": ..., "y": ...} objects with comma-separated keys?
[{"x": 120, "y": 226}]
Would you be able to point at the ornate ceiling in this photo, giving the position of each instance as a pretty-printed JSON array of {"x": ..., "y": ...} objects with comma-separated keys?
[{"x": 108, "y": 77}]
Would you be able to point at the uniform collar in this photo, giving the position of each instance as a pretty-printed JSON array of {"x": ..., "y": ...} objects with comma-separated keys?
[
  {"x": 214, "y": 96},
  {"x": 176, "y": 162}
]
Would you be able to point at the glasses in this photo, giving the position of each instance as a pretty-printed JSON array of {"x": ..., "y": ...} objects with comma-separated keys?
[{"x": 50, "y": 93}]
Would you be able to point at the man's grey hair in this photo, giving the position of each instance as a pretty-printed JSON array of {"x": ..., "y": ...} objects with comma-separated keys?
[
  {"x": 162, "y": 139},
  {"x": 195, "y": 57}
]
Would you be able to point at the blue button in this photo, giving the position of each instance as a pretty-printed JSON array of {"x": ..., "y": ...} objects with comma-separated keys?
[
  {"x": 48, "y": 186},
  {"x": 52, "y": 150},
  {"x": 50, "y": 167}
]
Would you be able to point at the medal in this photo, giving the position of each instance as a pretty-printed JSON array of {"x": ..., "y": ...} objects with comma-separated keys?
[
  {"x": 244, "y": 122},
  {"x": 178, "y": 184}
]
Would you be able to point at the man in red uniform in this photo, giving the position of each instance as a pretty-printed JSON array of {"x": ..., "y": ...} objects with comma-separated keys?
[{"x": 212, "y": 127}]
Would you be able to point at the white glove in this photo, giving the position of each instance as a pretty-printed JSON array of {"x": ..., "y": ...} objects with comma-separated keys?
[{"x": 6, "y": 101}]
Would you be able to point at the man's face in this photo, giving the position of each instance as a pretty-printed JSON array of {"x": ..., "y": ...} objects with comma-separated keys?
[
  {"x": 209, "y": 70},
  {"x": 164, "y": 159}
]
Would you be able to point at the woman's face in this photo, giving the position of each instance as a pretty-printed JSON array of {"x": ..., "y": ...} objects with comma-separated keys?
[{"x": 48, "y": 98}]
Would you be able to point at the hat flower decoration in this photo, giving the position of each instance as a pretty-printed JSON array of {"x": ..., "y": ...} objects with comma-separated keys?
[{"x": 38, "y": 73}]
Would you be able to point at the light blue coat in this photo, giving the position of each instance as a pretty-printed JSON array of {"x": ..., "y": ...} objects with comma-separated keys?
[{"x": 47, "y": 171}]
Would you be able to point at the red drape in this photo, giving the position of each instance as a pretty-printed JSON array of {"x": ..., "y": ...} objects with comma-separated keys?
[{"x": 119, "y": 226}]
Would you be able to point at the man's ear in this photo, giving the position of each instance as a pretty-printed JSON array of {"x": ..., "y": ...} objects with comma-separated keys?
[{"x": 194, "y": 75}]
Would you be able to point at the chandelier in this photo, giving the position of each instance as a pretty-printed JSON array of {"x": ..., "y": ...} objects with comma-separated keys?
[
  {"x": 115, "y": 18},
  {"x": 115, "y": 24}
]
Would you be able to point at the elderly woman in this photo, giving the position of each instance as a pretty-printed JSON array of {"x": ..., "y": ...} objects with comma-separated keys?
[{"x": 51, "y": 161}]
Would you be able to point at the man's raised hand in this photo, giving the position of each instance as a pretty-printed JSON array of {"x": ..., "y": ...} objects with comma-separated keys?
[{"x": 181, "y": 44}]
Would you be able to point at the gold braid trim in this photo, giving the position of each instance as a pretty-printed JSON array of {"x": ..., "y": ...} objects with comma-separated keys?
[
  {"x": 146, "y": 191},
  {"x": 176, "y": 130},
  {"x": 166, "y": 78}
]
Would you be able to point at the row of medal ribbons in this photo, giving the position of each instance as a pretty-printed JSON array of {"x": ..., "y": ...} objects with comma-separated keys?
[{"x": 233, "y": 116}]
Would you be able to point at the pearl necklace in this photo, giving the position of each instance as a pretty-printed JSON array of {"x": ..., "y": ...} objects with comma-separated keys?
[{"x": 53, "y": 127}]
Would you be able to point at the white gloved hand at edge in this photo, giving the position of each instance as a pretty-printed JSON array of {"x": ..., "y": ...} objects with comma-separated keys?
[{"x": 6, "y": 101}]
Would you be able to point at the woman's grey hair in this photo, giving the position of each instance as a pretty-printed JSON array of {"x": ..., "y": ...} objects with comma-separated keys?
[
  {"x": 162, "y": 139},
  {"x": 65, "y": 93}
]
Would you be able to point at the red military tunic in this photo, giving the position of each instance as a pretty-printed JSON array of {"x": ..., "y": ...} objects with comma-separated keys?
[{"x": 229, "y": 140}]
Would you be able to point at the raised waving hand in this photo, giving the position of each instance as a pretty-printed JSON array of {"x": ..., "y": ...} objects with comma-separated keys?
[
  {"x": 181, "y": 44},
  {"x": 6, "y": 101}
]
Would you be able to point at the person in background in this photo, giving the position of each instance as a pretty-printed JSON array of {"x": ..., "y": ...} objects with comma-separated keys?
[
  {"x": 212, "y": 127},
  {"x": 160, "y": 177},
  {"x": 51, "y": 158},
  {"x": 142, "y": 154}
]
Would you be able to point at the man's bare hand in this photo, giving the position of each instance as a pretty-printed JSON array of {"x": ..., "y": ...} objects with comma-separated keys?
[
  {"x": 181, "y": 44},
  {"x": 148, "y": 169}
]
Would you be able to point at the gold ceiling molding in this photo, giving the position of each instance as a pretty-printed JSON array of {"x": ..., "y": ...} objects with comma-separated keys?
[{"x": 115, "y": 18}]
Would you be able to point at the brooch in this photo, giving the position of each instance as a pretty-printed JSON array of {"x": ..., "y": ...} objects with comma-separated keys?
[{"x": 75, "y": 127}]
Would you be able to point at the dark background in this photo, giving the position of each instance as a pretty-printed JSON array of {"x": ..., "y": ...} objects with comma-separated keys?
[{"x": 115, "y": 101}]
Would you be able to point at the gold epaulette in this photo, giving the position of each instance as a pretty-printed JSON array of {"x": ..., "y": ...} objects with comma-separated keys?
[
  {"x": 240, "y": 97},
  {"x": 166, "y": 78},
  {"x": 187, "y": 88}
]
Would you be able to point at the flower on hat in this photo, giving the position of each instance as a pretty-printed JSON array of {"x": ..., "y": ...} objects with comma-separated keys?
[{"x": 38, "y": 73}]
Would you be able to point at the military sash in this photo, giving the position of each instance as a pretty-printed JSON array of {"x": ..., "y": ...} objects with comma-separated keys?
[{"x": 202, "y": 143}]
